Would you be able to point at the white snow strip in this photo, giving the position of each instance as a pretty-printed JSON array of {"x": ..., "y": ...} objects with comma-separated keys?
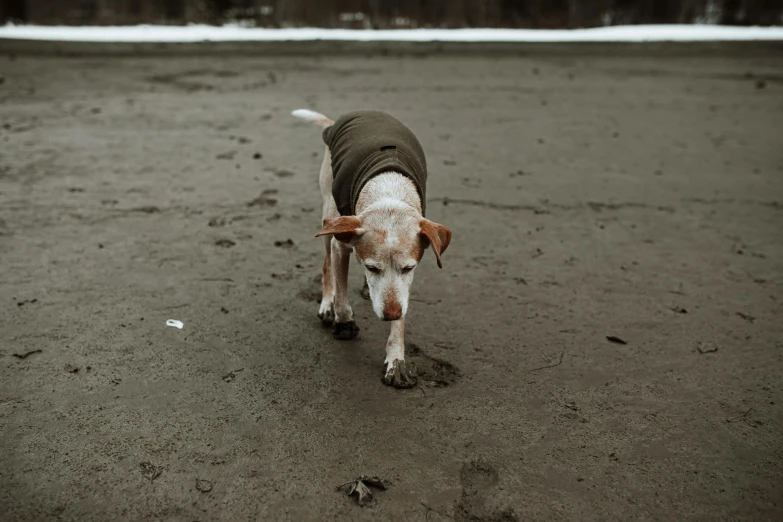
[{"x": 235, "y": 33}]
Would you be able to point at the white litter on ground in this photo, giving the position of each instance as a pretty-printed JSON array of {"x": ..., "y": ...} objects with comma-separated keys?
[
  {"x": 236, "y": 33},
  {"x": 175, "y": 323}
]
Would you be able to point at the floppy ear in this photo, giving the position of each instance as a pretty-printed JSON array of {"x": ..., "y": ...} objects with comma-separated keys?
[
  {"x": 345, "y": 229},
  {"x": 438, "y": 236}
]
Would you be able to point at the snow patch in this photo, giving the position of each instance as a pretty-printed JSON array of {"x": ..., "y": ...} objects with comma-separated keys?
[{"x": 237, "y": 33}]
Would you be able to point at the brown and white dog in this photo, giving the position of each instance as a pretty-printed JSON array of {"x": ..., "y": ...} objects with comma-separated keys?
[{"x": 380, "y": 218}]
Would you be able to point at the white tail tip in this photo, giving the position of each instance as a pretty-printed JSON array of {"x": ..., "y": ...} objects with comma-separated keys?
[{"x": 313, "y": 117}]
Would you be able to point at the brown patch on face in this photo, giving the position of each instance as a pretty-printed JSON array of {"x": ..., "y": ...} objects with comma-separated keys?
[
  {"x": 410, "y": 247},
  {"x": 366, "y": 246},
  {"x": 418, "y": 248}
]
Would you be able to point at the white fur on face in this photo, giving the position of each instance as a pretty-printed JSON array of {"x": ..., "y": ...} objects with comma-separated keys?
[
  {"x": 388, "y": 286},
  {"x": 391, "y": 215},
  {"x": 389, "y": 256}
]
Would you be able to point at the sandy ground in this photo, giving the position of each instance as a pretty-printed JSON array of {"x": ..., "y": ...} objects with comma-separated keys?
[{"x": 635, "y": 193}]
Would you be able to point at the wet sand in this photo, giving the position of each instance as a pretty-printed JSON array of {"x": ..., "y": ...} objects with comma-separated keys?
[{"x": 627, "y": 191}]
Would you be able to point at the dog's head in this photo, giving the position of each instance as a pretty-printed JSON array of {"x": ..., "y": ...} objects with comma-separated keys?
[{"x": 389, "y": 243}]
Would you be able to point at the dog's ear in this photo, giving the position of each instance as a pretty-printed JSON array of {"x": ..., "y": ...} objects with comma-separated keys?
[
  {"x": 437, "y": 236},
  {"x": 345, "y": 229}
]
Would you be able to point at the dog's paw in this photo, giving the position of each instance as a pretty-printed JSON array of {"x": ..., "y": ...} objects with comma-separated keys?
[
  {"x": 365, "y": 291},
  {"x": 345, "y": 331},
  {"x": 326, "y": 315},
  {"x": 399, "y": 376}
]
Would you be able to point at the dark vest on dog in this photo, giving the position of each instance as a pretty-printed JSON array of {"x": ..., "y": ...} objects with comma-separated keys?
[{"x": 367, "y": 143}]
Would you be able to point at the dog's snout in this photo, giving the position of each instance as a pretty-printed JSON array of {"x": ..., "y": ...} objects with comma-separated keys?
[{"x": 392, "y": 311}]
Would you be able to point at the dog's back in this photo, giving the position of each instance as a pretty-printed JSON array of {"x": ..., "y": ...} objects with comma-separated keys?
[{"x": 364, "y": 144}]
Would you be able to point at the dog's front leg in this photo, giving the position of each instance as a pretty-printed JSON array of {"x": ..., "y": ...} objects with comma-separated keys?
[
  {"x": 344, "y": 326},
  {"x": 396, "y": 372}
]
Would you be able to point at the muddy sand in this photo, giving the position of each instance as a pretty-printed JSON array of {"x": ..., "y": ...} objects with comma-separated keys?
[{"x": 633, "y": 192}]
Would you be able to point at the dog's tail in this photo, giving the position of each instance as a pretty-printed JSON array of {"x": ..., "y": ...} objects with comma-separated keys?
[{"x": 313, "y": 117}]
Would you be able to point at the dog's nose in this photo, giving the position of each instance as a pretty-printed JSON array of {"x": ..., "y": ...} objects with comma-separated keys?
[{"x": 392, "y": 311}]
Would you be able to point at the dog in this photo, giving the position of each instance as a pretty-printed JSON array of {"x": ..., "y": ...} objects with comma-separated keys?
[{"x": 373, "y": 183}]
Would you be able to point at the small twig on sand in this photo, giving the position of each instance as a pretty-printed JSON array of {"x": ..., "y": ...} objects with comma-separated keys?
[
  {"x": 173, "y": 307},
  {"x": 738, "y": 417},
  {"x": 427, "y": 514},
  {"x": 26, "y": 355},
  {"x": 558, "y": 363}
]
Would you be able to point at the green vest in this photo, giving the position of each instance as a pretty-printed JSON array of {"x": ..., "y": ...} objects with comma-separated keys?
[{"x": 367, "y": 143}]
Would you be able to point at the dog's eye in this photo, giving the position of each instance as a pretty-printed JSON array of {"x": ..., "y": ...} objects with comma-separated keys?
[
  {"x": 373, "y": 269},
  {"x": 407, "y": 269}
]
